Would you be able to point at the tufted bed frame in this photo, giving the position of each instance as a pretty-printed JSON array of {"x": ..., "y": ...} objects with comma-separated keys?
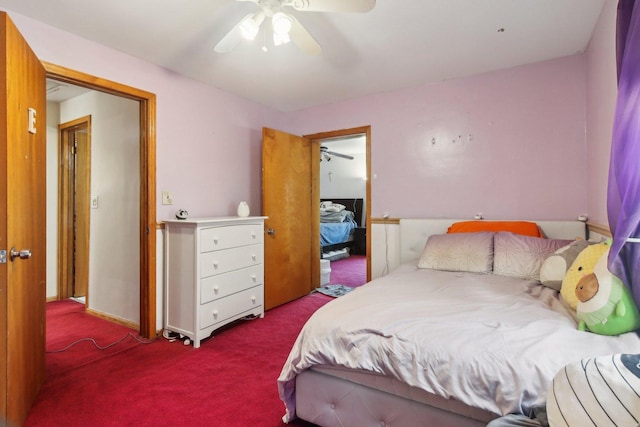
[{"x": 334, "y": 396}]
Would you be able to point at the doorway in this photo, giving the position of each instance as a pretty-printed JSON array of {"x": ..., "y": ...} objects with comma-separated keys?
[
  {"x": 343, "y": 177},
  {"x": 74, "y": 177},
  {"x": 340, "y": 139},
  {"x": 146, "y": 196}
]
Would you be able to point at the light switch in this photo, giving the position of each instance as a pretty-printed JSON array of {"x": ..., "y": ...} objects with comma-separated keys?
[
  {"x": 167, "y": 198},
  {"x": 94, "y": 202}
]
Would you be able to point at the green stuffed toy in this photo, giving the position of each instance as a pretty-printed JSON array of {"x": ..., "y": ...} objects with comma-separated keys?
[{"x": 605, "y": 305}]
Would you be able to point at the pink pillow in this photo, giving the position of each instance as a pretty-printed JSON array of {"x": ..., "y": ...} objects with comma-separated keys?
[
  {"x": 522, "y": 256},
  {"x": 471, "y": 252}
]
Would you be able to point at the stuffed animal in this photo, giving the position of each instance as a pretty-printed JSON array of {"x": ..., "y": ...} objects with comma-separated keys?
[
  {"x": 605, "y": 306},
  {"x": 555, "y": 267},
  {"x": 581, "y": 266}
]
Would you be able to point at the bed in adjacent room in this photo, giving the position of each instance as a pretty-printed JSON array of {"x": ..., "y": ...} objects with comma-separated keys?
[
  {"x": 461, "y": 333},
  {"x": 338, "y": 220}
]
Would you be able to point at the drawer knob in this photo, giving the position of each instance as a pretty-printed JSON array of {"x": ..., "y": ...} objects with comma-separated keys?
[
  {"x": 214, "y": 313},
  {"x": 215, "y": 264},
  {"x": 254, "y": 277},
  {"x": 253, "y": 257},
  {"x": 216, "y": 289},
  {"x": 253, "y": 299},
  {"x": 253, "y": 235},
  {"x": 215, "y": 240}
]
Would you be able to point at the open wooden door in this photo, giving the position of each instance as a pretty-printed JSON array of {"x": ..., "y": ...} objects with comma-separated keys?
[
  {"x": 22, "y": 225},
  {"x": 289, "y": 198},
  {"x": 74, "y": 194}
]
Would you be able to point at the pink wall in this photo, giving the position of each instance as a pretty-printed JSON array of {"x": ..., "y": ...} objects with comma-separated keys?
[
  {"x": 601, "y": 102},
  {"x": 509, "y": 144},
  {"x": 208, "y": 141}
]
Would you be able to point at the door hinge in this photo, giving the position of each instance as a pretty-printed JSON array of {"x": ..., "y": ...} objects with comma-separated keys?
[{"x": 3, "y": 256}]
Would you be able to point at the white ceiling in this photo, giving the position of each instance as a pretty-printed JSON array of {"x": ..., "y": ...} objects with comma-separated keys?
[
  {"x": 58, "y": 91},
  {"x": 350, "y": 145},
  {"x": 399, "y": 44}
]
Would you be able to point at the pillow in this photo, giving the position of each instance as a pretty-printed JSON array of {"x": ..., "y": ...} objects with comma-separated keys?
[
  {"x": 471, "y": 252},
  {"x": 555, "y": 267},
  {"x": 522, "y": 256},
  {"x": 328, "y": 206},
  {"x": 600, "y": 390},
  {"x": 581, "y": 266},
  {"x": 519, "y": 227}
]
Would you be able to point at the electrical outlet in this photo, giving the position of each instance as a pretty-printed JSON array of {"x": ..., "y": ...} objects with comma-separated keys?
[{"x": 167, "y": 198}]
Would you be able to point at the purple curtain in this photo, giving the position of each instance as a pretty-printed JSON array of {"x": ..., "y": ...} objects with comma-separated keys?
[{"x": 623, "y": 197}]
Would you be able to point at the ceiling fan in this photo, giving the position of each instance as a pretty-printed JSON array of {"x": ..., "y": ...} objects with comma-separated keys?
[
  {"x": 325, "y": 154},
  {"x": 285, "y": 26}
]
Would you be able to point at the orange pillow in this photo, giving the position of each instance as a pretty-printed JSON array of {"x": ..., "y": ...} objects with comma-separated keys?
[{"x": 519, "y": 227}]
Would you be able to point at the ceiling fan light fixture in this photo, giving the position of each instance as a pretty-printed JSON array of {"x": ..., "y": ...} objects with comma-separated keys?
[
  {"x": 281, "y": 23},
  {"x": 280, "y": 39},
  {"x": 249, "y": 27}
]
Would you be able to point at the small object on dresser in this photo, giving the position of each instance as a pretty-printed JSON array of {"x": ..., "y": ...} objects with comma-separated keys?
[
  {"x": 182, "y": 214},
  {"x": 243, "y": 209}
]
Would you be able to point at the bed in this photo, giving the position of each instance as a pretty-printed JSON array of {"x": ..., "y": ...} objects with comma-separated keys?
[
  {"x": 426, "y": 346},
  {"x": 337, "y": 226}
]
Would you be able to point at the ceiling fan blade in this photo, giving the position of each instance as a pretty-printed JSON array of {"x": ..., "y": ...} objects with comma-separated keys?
[
  {"x": 324, "y": 149},
  {"x": 301, "y": 38},
  {"x": 331, "y": 5},
  {"x": 344, "y": 156},
  {"x": 235, "y": 36},
  {"x": 231, "y": 39}
]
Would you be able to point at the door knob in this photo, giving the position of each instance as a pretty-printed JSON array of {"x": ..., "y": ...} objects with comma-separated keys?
[
  {"x": 23, "y": 254},
  {"x": 271, "y": 231}
]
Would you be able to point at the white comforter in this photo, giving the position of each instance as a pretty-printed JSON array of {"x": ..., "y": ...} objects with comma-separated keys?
[{"x": 492, "y": 342}]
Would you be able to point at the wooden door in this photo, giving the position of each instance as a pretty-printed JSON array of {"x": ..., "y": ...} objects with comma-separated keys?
[
  {"x": 289, "y": 195},
  {"x": 74, "y": 200},
  {"x": 22, "y": 225}
]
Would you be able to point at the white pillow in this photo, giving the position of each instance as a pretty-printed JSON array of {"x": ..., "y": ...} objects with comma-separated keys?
[
  {"x": 521, "y": 256},
  {"x": 471, "y": 252},
  {"x": 602, "y": 390}
]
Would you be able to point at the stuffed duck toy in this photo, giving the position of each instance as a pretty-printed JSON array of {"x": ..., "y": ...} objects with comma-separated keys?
[{"x": 605, "y": 305}]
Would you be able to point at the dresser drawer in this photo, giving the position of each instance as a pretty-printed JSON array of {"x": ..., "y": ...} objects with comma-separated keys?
[
  {"x": 222, "y": 285},
  {"x": 219, "y": 262},
  {"x": 212, "y": 239},
  {"x": 222, "y": 309}
]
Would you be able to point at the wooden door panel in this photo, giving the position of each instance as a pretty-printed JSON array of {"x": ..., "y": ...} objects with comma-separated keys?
[
  {"x": 286, "y": 201},
  {"x": 74, "y": 192},
  {"x": 83, "y": 203},
  {"x": 22, "y": 226}
]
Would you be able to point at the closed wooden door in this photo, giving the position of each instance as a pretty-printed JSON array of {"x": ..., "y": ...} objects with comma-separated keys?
[
  {"x": 289, "y": 200},
  {"x": 22, "y": 225}
]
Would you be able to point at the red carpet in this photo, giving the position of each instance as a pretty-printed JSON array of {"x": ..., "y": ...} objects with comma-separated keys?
[
  {"x": 350, "y": 271},
  {"x": 229, "y": 381}
]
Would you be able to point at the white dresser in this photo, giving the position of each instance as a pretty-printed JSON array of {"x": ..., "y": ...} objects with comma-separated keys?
[{"x": 214, "y": 273}]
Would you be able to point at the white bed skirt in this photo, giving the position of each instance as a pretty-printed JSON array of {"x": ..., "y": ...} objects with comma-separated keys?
[{"x": 337, "y": 397}]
